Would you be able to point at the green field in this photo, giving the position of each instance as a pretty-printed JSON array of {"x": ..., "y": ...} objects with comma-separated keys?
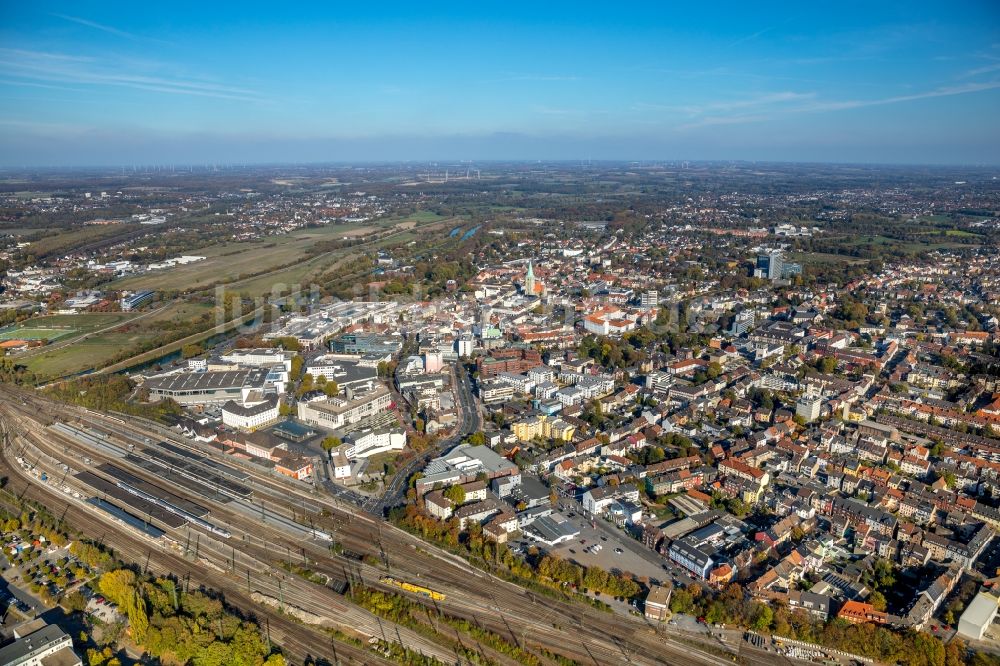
[
  {"x": 54, "y": 242},
  {"x": 231, "y": 261},
  {"x": 178, "y": 312},
  {"x": 29, "y": 333},
  {"x": 911, "y": 247},
  {"x": 307, "y": 272},
  {"x": 59, "y": 326},
  {"x": 280, "y": 257},
  {"x": 96, "y": 349},
  {"x": 301, "y": 274},
  {"x": 84, "y": 355},
  {"x": 816, "y": 258}
]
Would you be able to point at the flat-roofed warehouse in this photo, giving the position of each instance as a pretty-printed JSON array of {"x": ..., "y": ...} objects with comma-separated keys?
[
  {"x": 463, "y": 464},
  {"x": 204, "y": 388},
  {"x": 552, "y": 530},
  {"x": 978, "y": 616}
]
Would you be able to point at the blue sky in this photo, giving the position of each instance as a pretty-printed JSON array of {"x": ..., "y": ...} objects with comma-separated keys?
[{"x": 108, "y": 83}]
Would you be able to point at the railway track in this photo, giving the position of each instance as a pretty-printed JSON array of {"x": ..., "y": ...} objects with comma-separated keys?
[
  {"x": 584, "y": 634},
  {"x": 206, "y": 553},
  {"x": 297, "y": 642},
  {"x": 202, "y": 546}
]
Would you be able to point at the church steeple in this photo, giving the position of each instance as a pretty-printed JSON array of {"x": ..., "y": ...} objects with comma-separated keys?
[{"x": 529, "y": 280}]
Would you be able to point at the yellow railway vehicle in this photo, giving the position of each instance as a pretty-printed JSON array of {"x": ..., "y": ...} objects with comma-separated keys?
[{"x": 415, "y": 589}]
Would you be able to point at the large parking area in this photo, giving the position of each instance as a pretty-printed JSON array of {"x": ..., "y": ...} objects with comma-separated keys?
[
  {"x": 605, "y": 546},
  {"x": 50, "y": 572},
  {"x": 612, "y": 552}
]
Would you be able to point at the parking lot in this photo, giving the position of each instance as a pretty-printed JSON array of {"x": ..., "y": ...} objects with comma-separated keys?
[
  {"x": 23, "y": 600},
  {"x": 12, "y": 599},
  {"x": 102, "y": 610},
  {"x": 582, "y": 552},
  {"x": 617, "y": 552},
  {"x": 54, "y": 569},
  {"x": 15, "y": 601}
]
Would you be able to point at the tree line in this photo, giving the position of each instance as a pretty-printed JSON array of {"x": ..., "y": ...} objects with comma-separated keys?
[{"x": 908, "y": 647}]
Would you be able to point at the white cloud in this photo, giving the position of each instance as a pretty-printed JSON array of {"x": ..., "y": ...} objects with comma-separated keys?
[
  {"x": 946, "y": 91},
  {"x": 538, "y": 77},
  {"x": 840, "y": 105},
  {"x": 761, "y": 100},
  {"x": 751, "y": 37},
  {"x": 721, "y": 106},
  {"x": 46, "y": 67},
  {"x": 107, "y": 28},
  {"x": 985, "y": 69}
]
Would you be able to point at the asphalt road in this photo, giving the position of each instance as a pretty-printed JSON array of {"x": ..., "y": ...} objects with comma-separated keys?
[
  {"x": 469, "y": 422},
  {"x": 26, "y": 598}
]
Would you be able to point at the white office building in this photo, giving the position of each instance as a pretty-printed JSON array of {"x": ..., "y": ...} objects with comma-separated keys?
[
  {"x": 338, "y": 412},
  {"x": 259, "y": 358},
  {"x": 808, "y": 406},
  {"x": 369, "y": 443},
  {"x": 45, "y": 646},
  {"x": 466, "y": 344},
  {"x": 252, "y": 417}
]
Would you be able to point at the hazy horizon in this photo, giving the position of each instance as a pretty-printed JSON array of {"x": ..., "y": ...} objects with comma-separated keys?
[{"x": 461, "y": 163}]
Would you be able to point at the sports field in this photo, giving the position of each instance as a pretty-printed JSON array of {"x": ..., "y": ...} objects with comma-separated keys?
[
  {"x": 15, "y": 333},
  {"x": 53, "y": 326},
  {"x": 107, "y": 342}
]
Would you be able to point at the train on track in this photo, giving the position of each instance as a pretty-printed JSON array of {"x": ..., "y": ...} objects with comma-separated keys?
[
  {"x": 415, "y": 589},
  {"x": 191, "y": 518},
  {"x": 322, "y": 536},
  {"x": 338, "y": 585}
]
